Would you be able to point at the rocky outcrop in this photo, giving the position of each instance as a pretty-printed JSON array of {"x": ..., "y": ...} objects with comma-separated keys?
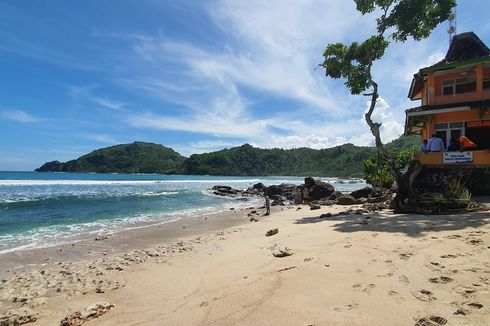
[
  {"x": 363, "y": 192},
  {"x": 285, "y": 189},
  {"x": 318, "y": 189},
  {"x": 90, "y": 312},
  {"x": 346, "y": 200},
  {"x": 14, "y": 318},
  {"x": 225, "y": 191}
]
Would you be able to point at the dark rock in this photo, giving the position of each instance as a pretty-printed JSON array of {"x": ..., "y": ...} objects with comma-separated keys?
[
  {"x": 323, "y": 202},
  {"x": 364, "y": 192},
  {"x": 326, "y": 215},
  {"x": 278, "y": 200},
  {"x": 375, "y": 199},
  {"x": 225, "y": 191},
  {"x": 346, "y": 200},
  {"x": 309, "y": 182},
  {"x": 272, "y": 232},
  {"x": 259, "y": 186},
  {"x": 284, "y": 189},
  {"x": 321, "y": 190},
  {"x": 314, "y": 207},
  {"x": 335, "y": 195},
  {"x": 253, "y": 219},
  {"x": 361, "y": 200}
]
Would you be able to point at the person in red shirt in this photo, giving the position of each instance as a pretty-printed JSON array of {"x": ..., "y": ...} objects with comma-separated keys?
[{"x": 466, "y": 144}]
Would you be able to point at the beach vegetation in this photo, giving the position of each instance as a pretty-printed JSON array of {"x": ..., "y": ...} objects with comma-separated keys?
[{"x": 377, "y": 172}]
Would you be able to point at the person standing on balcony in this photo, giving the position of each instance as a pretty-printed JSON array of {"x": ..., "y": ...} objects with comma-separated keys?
[
  {"x": 423, "y": 147},
  {"x": 435, "y": 144},
  {"x": 466, "y": 144}
]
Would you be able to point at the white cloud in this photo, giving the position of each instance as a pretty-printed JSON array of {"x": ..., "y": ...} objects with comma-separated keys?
[
  {"x": 18, "y": 116},
  {"x": 103, "y": 138},
  {"x": 109, "y": 103}
]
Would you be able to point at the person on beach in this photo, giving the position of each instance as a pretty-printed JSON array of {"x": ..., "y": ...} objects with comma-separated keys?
[
  {"x": 306, "y": 195},
  {"x": 267, "y": 205},
  {"x": 298, "y": 198},
  {"x": 435, "y": 144},
  {"x": 423, "y": 147}
]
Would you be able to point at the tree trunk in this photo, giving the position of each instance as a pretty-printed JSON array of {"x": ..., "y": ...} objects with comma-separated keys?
[{"x": 403, "y": 181}]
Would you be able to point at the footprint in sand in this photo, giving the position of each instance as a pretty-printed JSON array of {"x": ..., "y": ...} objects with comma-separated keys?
[
  {"x": 347, "y": 307},
  {"x": 475, "y": 242},
  {"x": 403, "y": 279},
  {"x": 423, "y": 295},
  {"x": 435, "y": 266},
  {"x": 464, "y": 290},
  {"x": 405, "y": 256},
  {"x": 453, "y": 236},
  {"x": 431, "y": 321},
  {"x": 368, "y": 288},
  {"x": 449, "y": 256},
  {"x": 441, "y": 279},
  {"x": 474, "y": 305}
]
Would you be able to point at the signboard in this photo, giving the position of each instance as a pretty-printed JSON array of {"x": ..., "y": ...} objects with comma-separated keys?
[
  {"x": 478, "y": 124},
  {"x": 457, "y": 157}
]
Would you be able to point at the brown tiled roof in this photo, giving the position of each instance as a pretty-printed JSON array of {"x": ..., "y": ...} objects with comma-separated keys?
[{"x": 465, "y": 46}]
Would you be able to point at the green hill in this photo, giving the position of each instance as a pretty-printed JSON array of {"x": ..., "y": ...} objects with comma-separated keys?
[
  {"x": 341, "y": 161},
  {"x": 137, "y": 157}
]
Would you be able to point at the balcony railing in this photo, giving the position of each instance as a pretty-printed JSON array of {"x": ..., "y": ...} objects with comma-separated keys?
[{"x": 481, "y": 157}]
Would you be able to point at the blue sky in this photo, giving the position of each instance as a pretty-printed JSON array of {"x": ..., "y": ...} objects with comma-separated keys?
[{"x": 196, "y": 76}]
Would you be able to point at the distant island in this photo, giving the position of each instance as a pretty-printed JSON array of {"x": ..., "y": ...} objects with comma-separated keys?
[{"x": 140, "y": 157}]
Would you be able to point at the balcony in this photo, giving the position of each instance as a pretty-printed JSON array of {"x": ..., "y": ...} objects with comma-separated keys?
[{"x": 478, "y": 158}]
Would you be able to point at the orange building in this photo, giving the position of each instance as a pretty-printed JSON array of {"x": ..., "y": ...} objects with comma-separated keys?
[{"x": 455, "y": 101}]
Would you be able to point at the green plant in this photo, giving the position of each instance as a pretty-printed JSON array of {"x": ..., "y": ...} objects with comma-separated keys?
[{"x": 377, "y": 172}]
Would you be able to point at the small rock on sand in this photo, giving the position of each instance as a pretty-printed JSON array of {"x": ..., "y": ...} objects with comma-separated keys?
[
  {"x": 272, "y": 232},
  {"x": 279, "y": 250}
]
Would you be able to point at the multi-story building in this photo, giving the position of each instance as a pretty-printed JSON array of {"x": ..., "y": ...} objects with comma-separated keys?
[{"x": 455, "y": 101}]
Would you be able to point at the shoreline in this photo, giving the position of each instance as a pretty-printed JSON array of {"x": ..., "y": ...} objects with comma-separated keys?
[
  {"x": 355, "y": 269},
  {"x": 134, "y": 238}
]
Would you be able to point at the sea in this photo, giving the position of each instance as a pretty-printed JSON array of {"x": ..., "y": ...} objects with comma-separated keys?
[{"x": 47, "y": 209}]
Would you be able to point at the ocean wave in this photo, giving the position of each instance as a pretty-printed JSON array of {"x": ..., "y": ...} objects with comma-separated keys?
[{"x": 10, "y": 182}]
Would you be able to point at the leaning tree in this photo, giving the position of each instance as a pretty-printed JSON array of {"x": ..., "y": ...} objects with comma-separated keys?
[{"x": 397, "y": 21}]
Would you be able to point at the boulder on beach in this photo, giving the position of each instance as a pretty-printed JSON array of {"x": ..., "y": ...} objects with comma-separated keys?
[
  {"x": 284, "y": 189},
  {"x": 346, "y": 200},
  {"x": 363, "y": 192},
  {"x": 318, "y": 189}
]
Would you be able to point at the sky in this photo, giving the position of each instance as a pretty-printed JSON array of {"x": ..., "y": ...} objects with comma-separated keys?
[{"x": 194, "y": 75}]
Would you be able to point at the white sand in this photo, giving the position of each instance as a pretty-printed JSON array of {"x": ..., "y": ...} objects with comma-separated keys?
[{"x": 345, "y": 270}]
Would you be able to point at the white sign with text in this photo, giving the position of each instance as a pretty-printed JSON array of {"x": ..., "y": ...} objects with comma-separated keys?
[{"x": 457, "y": 157}]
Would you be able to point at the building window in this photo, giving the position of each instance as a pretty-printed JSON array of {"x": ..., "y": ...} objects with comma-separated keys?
[
  {"x": 449, "y": 131},
  {"x": 486, "y": 82},
  {"x": 458, "y": 85}
]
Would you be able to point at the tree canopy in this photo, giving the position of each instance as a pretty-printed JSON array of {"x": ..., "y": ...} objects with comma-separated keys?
[{"x": 397, "y": 21}]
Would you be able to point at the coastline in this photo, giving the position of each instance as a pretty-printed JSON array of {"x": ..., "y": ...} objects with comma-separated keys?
[{"x": 371, "y": 269}]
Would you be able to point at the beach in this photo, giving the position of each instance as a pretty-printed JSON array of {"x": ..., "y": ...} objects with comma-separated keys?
[{"x": 354, "y": 268}]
